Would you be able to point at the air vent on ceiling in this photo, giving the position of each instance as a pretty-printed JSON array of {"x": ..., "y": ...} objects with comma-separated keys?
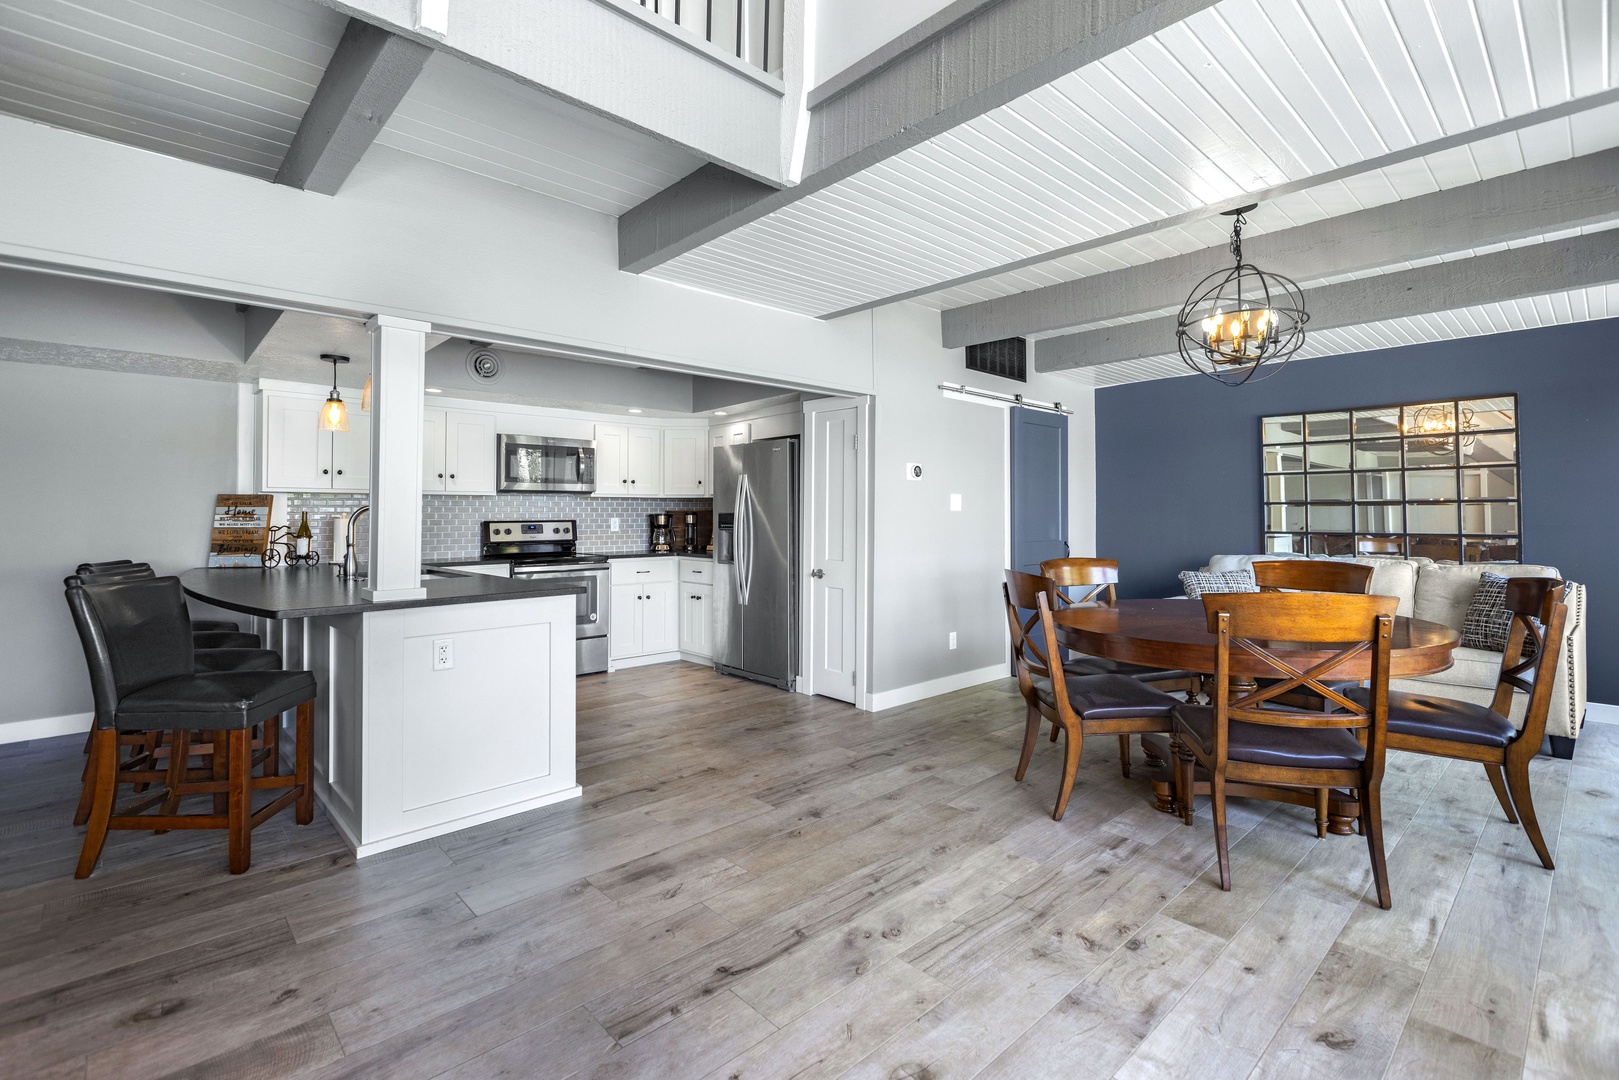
[
  {"x": 483, "y": 364},
  {"x": 1008, "y": 358}
]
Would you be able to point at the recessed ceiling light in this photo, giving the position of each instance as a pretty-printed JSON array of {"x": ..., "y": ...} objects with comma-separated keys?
[
  {"x": 719, "y": 412},
  {"x": 434, "y": 390},
  {"x": 635, "y": 410}
]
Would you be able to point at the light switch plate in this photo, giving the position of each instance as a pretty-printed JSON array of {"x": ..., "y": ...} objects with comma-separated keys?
[
  {"x": 955, "y": 501},
  {"x": 612, "y": 524}
]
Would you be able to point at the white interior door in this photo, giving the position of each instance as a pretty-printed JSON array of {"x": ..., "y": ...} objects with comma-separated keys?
[{"x": 833, "y": 458}]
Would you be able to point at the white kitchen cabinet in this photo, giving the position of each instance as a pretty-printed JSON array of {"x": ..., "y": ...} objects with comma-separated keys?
[
  {"x": 469, "y": 453},
  {"x": 629, "y": 460},
  {"x": 433, "y": 450},
  {"x": 644, "y": 611},
  {"x": 298, "y": 456},
  {"x": 696, "y": 619},
  {"x": 738, "y": 434},
  {"x": 685, "y": 461},
  {"x": 612, "y": 459},
  {"x": 351, "y": 454},
  {"x": 458, "y": 452}
]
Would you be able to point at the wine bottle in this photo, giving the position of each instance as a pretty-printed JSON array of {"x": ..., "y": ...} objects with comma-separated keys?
[{"x": 303, "y": 537}]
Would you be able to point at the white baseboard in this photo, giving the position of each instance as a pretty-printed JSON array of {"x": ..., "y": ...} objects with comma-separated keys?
[
  {"x": 46, "y": 727},
  {"x": 889, "y": 699},
  {"x": 643, "y": 661},
  {"x": 1597, "y": 713}
]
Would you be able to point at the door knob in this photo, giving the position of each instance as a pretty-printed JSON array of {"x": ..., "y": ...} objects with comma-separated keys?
[{"x": 817, "y": 573}]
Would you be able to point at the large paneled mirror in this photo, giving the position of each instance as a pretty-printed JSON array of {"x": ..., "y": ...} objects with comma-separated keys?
[{"x": 1435, "y": 479}]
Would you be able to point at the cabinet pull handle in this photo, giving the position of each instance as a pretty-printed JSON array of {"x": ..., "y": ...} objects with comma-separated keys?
[{"x": 643, "y": 571}]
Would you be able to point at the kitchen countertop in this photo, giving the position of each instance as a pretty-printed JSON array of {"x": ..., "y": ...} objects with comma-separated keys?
[
  {"x": 659, "y": 555},
  {"x": 297, "y": 592}
]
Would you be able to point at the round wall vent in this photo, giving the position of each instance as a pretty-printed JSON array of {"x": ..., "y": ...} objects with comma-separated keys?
[{"x": 483, "y": 364}]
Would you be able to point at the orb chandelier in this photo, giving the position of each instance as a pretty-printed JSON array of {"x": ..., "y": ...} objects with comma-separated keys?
[
  {"x": 1437, "y": 423},
  {"x": 1241, "y": 320}
]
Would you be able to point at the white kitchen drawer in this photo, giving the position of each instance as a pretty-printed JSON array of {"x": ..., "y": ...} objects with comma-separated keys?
[
  {"x": 642, "y": 571},
  {"x": 697, "y": 571}
]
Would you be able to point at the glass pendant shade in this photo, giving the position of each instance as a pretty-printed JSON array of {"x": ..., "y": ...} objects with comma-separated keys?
[
  {"x": 1240, "y": 320},
  {"x": 334, "y": 415},
  {"x": 365, "y": 396}
]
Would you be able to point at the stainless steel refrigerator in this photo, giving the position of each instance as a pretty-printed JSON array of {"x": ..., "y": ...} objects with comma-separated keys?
[{"x": 756, "y": 557}]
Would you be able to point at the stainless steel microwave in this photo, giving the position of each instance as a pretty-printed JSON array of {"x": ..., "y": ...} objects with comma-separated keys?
[{"x": 536, "y": 463}]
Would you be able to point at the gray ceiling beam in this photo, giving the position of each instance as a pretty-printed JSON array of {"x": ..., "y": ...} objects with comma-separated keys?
[
  {"x": 981, "y": 57},
  {"x": 1395, "y": 157},
  {"x": 367, "y": 78},
  {"x": 1564, "y": 195},
  {"x": 1485, "y": 279}
]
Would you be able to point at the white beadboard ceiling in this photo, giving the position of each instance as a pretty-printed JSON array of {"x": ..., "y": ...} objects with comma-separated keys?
[
  {"x": 1243, "y": 96},
  {"x": 486, "y": 123},
  {"x": 221, "y": 82},
  {"x": 1551, "y": 309}
]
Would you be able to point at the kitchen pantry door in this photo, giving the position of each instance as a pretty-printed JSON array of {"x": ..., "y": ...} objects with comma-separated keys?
[
  {"x": 832, "y": 457},
  {"x": 1039, "y": 488}
]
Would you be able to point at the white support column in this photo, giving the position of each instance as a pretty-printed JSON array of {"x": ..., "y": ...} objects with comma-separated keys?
[{"x": 398, "y": 382}]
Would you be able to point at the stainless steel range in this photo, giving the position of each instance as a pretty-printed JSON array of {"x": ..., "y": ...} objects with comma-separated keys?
[{"x": 550, "y": 548}]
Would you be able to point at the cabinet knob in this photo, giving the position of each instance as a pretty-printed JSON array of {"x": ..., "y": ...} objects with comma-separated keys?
[
  {"x": 326, "y": 472},
  {"x": 452, "y": 476},
  {"x": 441, "y": 476},
  {"x": 632, "y": 481},
  {"x": 339, "y": 472}
]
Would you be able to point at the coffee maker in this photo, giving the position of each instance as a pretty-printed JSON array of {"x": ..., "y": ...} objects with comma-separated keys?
[{"x": 660, "y": 542}]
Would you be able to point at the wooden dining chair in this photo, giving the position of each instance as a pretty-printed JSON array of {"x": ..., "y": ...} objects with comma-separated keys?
[
  {"x": 1312, "y": 575},
  {"x": 1076, "y": 705},
  {"x": 1083, "y": 581},
  {"x": 1255, "y": 739},
  {"x": 1463, "y": 731}
]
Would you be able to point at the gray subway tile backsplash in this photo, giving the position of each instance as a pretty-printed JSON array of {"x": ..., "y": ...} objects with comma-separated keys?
[{"x": 450, "y": 522}]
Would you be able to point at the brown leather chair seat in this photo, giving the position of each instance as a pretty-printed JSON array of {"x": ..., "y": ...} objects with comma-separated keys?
[
  {"x": 1097, "y": 665},
  {"x": 1430, "y": 717},
  {"x": 1108, "y": 697},
  {"x": 1264, "y": 744}
]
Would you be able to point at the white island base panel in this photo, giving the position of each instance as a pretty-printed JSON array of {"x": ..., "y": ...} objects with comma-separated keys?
[{"x": 406, "y": 750}]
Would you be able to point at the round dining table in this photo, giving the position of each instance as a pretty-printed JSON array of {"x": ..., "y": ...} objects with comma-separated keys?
[{"x": 1174, "y": 634}]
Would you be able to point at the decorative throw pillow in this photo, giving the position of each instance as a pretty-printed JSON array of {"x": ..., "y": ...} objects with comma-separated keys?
[
  {"x": 1198, "y": 582},
  {"x": 1488, "y": 623}
]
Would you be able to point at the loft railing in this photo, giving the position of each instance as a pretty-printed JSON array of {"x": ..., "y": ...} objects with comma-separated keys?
[{"x": 749, "y": 30}]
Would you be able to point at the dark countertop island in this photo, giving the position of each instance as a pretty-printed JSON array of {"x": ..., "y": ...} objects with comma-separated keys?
[{"x": 297, "y": 592}]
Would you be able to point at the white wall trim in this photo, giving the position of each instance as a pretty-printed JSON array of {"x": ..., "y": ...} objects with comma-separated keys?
[
  {"x": 45, "y": 727},
  {"x": 889, "y": 699},
  {"x": 1597, "y": 713}
]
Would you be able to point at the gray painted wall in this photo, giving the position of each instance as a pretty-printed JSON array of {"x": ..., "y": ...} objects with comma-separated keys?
[{"x": 97, "y": 465}]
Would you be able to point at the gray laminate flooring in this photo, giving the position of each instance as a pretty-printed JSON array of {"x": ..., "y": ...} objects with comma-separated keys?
[{"x": 759, "y": 885}]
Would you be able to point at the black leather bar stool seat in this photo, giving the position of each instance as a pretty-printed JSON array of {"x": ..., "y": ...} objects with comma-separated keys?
[
  {"x": 137, "y": 644},
  {"x": 209, "y": 661},
  {"x": 128, "y": 567},
  {"x": 224, "y": 639}
]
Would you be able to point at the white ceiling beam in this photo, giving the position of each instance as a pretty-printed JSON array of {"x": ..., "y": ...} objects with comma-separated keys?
[
  {"x": 1508, "y": 126},
  {"x": 1485, "y": 279},
  {"x": 977, "y": 58},
  {"x": 368, "y": 76},
  {"x": 1564, "y": 195}
]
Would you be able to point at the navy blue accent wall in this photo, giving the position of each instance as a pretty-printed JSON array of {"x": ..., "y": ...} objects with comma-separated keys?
[{"x": 1178, "y": 470}]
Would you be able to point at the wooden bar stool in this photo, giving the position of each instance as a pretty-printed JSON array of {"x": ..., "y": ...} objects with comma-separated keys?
[{"x": 143, "y": 674}]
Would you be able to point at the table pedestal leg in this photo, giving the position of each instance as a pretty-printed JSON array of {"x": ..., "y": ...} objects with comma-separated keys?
[{"x": 1343, "y": 808}]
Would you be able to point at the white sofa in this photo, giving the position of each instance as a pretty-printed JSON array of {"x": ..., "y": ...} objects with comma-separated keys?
[{"x": 1441, "y": 593}]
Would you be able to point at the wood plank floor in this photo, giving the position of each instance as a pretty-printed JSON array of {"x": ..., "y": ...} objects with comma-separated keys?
[{"x": 759, "y": 885}]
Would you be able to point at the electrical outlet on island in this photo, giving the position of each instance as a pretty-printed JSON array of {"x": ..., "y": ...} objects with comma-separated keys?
[
  {"x": 612, "y": 524},
  {"x": 443, "y": 653}
]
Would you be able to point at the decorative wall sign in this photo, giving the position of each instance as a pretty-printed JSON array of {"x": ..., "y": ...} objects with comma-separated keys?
[{"x": 241, "y": 530}]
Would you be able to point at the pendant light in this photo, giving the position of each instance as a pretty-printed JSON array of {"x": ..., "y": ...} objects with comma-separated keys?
[
  {"x": 1240, "y": 320},
  {"x": 334, "y": 415},
  {"x": 365, "y": 396}
]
